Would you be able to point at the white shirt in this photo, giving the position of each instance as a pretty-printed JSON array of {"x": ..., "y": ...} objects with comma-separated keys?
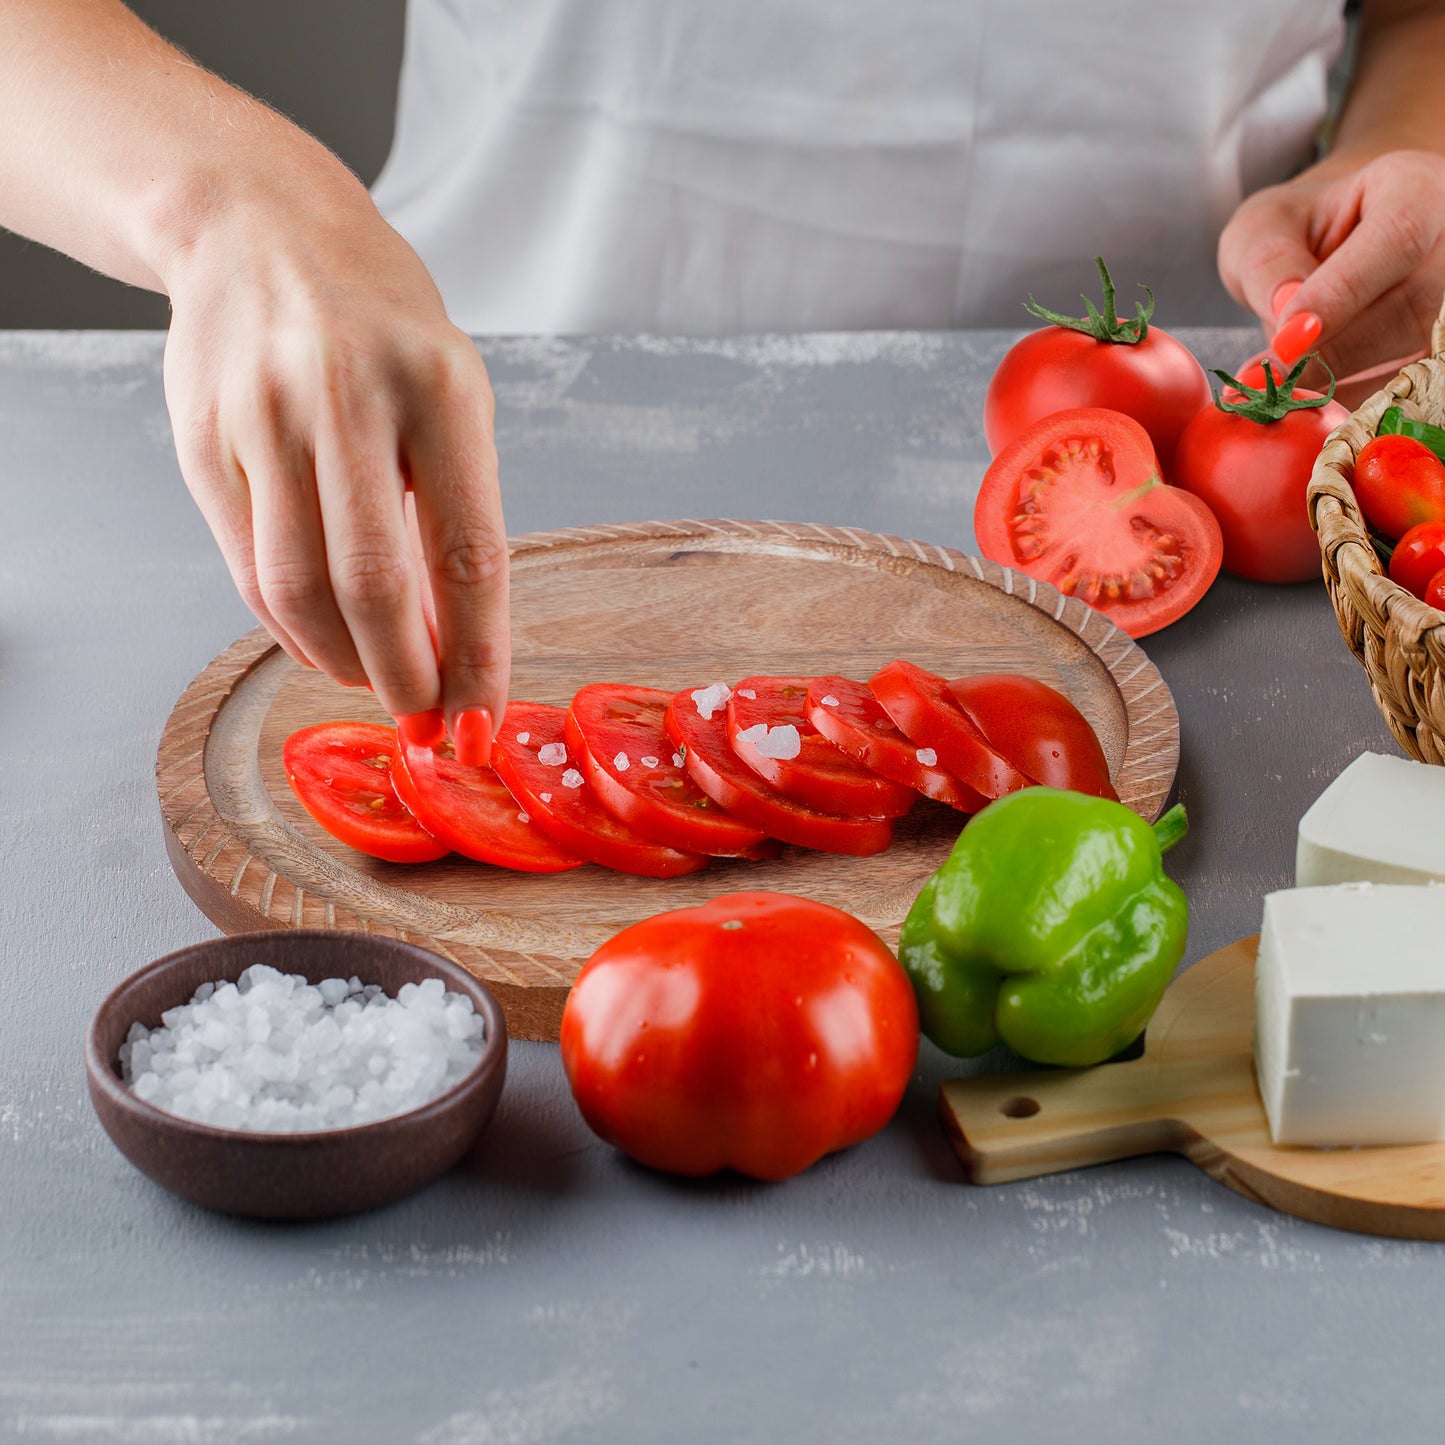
[{"x": 567, "y": 166}]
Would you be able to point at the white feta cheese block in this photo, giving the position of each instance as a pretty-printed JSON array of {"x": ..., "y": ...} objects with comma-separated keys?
[
  {"x": 1349, "y": 1033},
  {"x": 1376, "y": 823}
]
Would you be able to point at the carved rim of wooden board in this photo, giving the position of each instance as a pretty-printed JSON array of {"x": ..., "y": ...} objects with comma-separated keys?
[{"x": 251, "y": 858}]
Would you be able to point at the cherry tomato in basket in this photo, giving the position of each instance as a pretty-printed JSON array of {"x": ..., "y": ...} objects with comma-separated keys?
[
  {"x": 724, "y": 777},
  {"x": 1128, "y": 366},
  {"x": 341, "y": 773},
  {"x": 530, "y": 755},
  {"x": 1037, "y": 729},
  {"x": 921, "y": 705},
  {"x": 617, "y": 732},
  {"x": 1399, "y": 482},
  {"x": 851, "y": 718},
  {"x": 818, "y": 775},
  {"x": 1077, "y": 501},
  {"x": 473, "y": 812},
  {"x": 1435, "y": 591},
  {"x": 757, "y": 1032},
  {"x": 1248, "y": 455},
  {"x": 1418, "y": 556}
]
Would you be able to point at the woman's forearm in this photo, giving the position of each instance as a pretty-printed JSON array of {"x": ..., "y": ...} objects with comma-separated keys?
[{"x": 118, "y": 149}]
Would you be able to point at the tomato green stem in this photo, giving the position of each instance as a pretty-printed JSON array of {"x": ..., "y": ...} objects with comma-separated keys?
[
  {"x": 1277, "y": 399},
  {"x": 1105, "y": 327}
]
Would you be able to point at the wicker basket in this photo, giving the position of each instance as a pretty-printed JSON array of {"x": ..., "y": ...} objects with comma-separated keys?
[{"x": 1399, "y": 639}]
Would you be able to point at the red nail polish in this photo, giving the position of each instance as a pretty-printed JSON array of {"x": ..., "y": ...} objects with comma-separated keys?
[
  {"x": 1283, "y": 295},
  {"x": 472, "y": 736},
  {"x": 1296, "y": 336},
  {"x": 422, "y": 729},
  {"x": 1252, "y": 372}
]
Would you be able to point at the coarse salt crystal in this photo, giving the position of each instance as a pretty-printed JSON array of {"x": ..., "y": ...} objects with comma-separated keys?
[
  {"x": 709, "y": 699},
  {"x": 571, "y": 778},
  {"x": 545, "y": 797},
  {"x": 648, "y": 762},
  {"x": 621, "y": 762},
  {"x": 926, "y": 756},
  {"x": 677, "y": 760},
  {"x": 553, "y": 755},
  {"x": 748, "y": 693},
  {"x": 524, "y": 817},
  {"x": 781, "y": 742},
  {"x": 828, "y": 700},
  {"x": 524, "y": 738}
]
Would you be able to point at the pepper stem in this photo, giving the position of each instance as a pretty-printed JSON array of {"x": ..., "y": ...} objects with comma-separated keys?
[{"x": 1171, "y": 827}]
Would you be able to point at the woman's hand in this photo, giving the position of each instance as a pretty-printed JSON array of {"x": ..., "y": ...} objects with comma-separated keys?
[
  {"x": 313, "y": 378},
  {"x": 1365, "y": 242}
]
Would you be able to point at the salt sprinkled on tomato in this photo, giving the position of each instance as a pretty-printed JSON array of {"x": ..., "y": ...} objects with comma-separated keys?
[
  {"x": 571, "y": 778},
  {"x": 524, "y": 738},
  {"x": 748, "y": 693},
  {"x": 546, "y": 797},
  {"x": 828, "y": 700},
  {"x": 648, "y": 762},
  {"x": 709, "y": 699},
  {"x": 781, "y": 742},
  {"x": 274, "y": 1054},
  {"x": 927, "y": 757},
  {"x": 621, "y": 762},
  {"x": 552, "y": 754}
]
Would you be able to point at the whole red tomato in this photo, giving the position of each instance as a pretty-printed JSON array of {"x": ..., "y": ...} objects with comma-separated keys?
[
  {"x": 1096, "y": 361},
  {"x": 1249, "y": 455},
  {"x": 756, "y": 1032},
  {"x": 1399, "y": 482},
  {"x": 1419, "y": 557}
]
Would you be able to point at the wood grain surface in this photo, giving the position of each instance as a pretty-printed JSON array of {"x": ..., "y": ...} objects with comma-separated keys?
[
  {"x": 1193, "y": 1092},
  {"x": 663, "y": 604}
]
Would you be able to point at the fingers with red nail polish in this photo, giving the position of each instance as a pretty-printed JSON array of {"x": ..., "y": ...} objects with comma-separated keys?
[
  {"x": 422, "y": 729},
  {"x": 1283, "y": 295},
  {"x": 1296, "y": 336},
  {"x": 472, "y": 737}
]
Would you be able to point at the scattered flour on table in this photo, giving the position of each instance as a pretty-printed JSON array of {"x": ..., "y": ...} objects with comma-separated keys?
[{"x": 274, "y": 1054}]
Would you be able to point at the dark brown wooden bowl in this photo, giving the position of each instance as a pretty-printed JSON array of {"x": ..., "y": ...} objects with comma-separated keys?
[{"x": 291, "y": 1176}]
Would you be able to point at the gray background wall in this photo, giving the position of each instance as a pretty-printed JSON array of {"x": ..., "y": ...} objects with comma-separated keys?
[{"x": 331, "y": 65}]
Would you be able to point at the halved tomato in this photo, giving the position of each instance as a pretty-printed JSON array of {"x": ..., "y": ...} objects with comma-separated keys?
[
  {"x": 761, "y": 713},
  {"x": 341, "y": 772},
  {"x": 1037, "y": 729},
  {"x": 852, "y": 719},
  {"x": 617, "y": 732},
  {"x": 473, "y": 812},
  {"x": 1078, "y": 501},
  {"x": 530, "y": 755},
  {"x": 921, "y": 705},
  {"x": 724, "y": 777}
]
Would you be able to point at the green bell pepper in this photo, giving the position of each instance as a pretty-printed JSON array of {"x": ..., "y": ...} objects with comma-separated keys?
[{"x": 1050, "y": 927}]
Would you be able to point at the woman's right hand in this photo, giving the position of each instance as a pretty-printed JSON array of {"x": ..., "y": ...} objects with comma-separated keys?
[{"x": 316, "y": 390}]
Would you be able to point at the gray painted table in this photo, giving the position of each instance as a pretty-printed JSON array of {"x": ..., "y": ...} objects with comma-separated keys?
[{"x": 549, "y": 1290}]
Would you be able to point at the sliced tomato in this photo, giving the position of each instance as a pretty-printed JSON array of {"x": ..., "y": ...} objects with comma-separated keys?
[
  {"x": 852, "y": 719},
  {"x": 767, "y": 714},
  {"x": 530, "y": 755},
  {"x": 1078, "y": 501},
  {"x": 921, "y": 705},
  {"x": 617, "y": 731},
  {"x": 341, "y": 772},
  {"x": 1037, "y": 729},
  {"x": 473, "y": 812},
  {"x": 724, "y": 777}
]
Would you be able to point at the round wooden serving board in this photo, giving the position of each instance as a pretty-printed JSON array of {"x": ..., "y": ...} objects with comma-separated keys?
[
  {"x": 663, "y": 604},
  {"x": 1192, "y": 1092}
]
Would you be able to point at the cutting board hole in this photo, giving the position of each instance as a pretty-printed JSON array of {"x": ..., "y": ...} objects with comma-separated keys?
[{"x": 1019, "y": 1107}]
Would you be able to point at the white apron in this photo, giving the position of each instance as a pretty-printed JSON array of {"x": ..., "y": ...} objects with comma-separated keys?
[{"x": 569, "y": 166}]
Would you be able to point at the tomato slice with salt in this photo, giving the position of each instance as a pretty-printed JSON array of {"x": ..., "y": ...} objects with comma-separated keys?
[
  {"x": 768, "y": 719},
  {"x": 617, "y": 731},
  {"x": 341, "y": 773},
  {"x": 473, "y": 812},
  {"x": 1037, "y": 729},
  {"x": 852, "y": 719},
  {"x": 724, "y": 777},
  {"x": 1078, "y": 501},
  {"x": 531, "y": 757},
  {"x": 921, "y": 705}
]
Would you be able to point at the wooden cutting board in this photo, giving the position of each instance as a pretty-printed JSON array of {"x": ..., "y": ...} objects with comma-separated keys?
[
  {"x": 1192, "y": 1092},
  {"x": 663, "y": 604}
]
